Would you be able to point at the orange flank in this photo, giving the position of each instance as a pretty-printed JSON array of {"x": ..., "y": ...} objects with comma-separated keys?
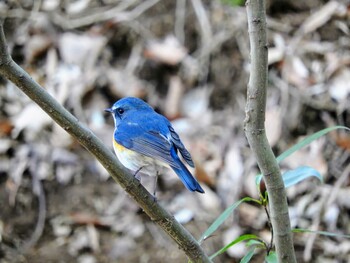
[{"x": 118, "y": 147}]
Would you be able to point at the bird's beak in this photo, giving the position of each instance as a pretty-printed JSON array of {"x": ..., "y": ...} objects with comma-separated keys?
[{"x": 109, "y": 110}]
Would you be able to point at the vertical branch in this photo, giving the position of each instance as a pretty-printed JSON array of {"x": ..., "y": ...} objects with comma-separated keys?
[{"x": 254, "y": 126}]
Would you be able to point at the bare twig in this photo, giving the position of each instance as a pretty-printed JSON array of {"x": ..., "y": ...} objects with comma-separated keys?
[
  {"x": 116, "y": 13},
  {"x": 255, "y": 131},
  {"x": 203, "y": 22},
  {"x": 328, "y": 197},
  {"x": 270, "y": 246},
  {"x": 134, "y": 60},
  {"x": 39, "y": 228},
  {"x": 11, "y": 71},
  {"x": 206, "y": 35},
  {"x": 180, "y": 15}
]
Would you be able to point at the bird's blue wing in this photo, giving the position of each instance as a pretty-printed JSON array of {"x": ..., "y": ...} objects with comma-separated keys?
[
  {"x": 148, "y": 142},
  {"x": 184, "y": 174},
  {"x": 179, "y": 145}
]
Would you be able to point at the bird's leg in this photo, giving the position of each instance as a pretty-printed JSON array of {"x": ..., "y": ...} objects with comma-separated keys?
[
  {"x": 155, "y": 186},
  {"x": 136, "y": 175}
]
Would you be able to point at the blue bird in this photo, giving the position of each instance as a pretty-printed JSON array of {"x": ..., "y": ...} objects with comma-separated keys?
[{"x": 145, "y": 141}]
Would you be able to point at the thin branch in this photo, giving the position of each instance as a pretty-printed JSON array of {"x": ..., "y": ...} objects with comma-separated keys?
[
  {"x": 39, "y": 228},
  {"x": 180, "y": 16},
  {"x": 116, "y": 13},
  {"x": 327, "y": 198},
  {"x": 11, "y": 71},
  {"x": 254, "y": 126},
  {"x": 270, "y": 246},
  {"x": 206, "y": 37}
]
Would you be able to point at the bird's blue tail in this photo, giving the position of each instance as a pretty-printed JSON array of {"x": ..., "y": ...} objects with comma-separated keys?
[{"x": 184, "y": 174}]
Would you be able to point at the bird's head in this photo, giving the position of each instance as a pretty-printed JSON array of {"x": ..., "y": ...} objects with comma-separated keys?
[{"x": 124, "y": 107}]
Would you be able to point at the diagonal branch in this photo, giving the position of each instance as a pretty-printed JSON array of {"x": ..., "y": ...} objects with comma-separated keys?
[
  {"x": 11, "y": 71},
  {"x": 254, "y": 126}
]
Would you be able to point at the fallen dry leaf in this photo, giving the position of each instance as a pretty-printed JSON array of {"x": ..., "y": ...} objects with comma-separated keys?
[{"x": 168, "y": 51}]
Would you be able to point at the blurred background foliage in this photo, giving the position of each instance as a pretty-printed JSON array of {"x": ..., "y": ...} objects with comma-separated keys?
[{"x": 190, "y": 60}]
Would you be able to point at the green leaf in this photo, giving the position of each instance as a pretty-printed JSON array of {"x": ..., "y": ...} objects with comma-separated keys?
[
  {"x": 293, "y": 177},
  {"x": 248, "y": 256},
  {"x": 302, "y": 144},
  {"x": 324, "y": 233},
  {"x": 221, "y": 219},
  {"x": 258, "y": 179},
  {"x": 271, "y": 257},
  {"x": 234, "y": 242},
  {"x": 235, "y": 2},
  {"x": 307, "y": 141},
  {"x": 255, "y": 242}
]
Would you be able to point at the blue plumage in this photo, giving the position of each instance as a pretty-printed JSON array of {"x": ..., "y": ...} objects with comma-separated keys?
[
  {"x": 145, "y": 139},
  {"x": 184, "y": 174}
]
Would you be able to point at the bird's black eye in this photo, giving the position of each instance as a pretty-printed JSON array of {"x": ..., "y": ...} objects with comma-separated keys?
[{"x": 120, "y": 111}]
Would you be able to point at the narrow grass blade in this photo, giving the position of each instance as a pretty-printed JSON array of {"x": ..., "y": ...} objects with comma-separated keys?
[
  {"x": 248, "y": 256},
  {"x": 258, "y": 179},
  {"x": 221, "y": 219},
  {"x": 307, "y": 141},
  {"x": 295, "y": 176},
  {"x": 255, "y": 242},
  {"x": 324, "y": 233},
  {"x": 235, "y": 2},
  {"x": 271, "y": 258},
  {"x": 234, "y": 242},
  {"x": 302, "y": 144}
]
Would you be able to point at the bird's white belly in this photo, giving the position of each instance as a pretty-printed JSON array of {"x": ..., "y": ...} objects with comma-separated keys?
[{"x": 134, "y": 161}]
